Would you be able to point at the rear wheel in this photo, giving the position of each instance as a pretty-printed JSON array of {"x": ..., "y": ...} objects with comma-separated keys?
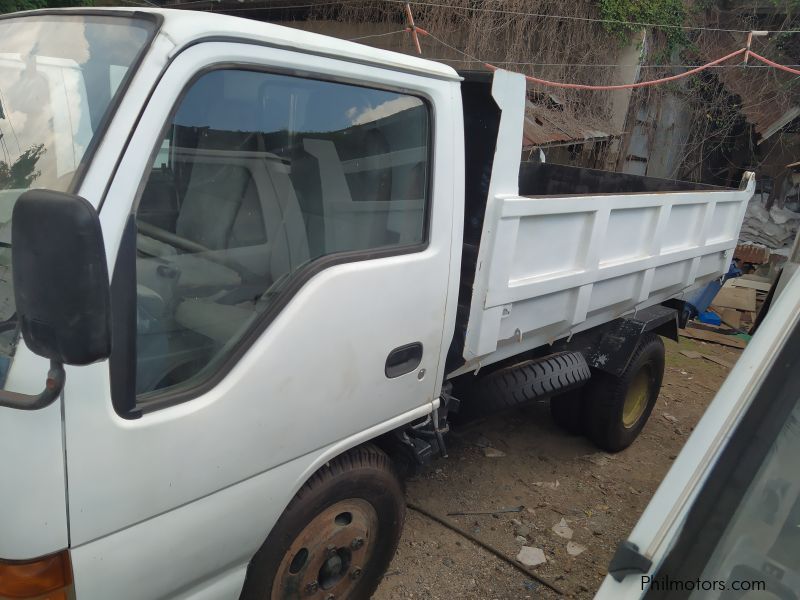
[
  {"x": 617, "y": 407},
  {"x": 336, "y": 537}
]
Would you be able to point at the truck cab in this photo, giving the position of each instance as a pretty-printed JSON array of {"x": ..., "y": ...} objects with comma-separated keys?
[{"x": 278, "y": 247}]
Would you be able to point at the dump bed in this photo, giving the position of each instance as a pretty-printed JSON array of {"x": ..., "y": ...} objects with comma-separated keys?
[{"x": 551, "y": 250}]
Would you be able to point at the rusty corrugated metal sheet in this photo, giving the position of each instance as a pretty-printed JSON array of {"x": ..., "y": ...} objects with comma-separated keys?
[{"x": 544, "y": 126}]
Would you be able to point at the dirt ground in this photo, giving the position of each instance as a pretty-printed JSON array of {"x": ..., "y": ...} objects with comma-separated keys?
[{"x": 552, "y": 476}]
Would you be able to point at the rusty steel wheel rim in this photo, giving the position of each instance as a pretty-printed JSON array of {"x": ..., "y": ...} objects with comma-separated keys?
[{"x": 327, "y": 559}]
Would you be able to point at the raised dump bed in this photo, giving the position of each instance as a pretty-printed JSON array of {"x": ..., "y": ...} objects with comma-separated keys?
[{"x": 551, "y": 250}]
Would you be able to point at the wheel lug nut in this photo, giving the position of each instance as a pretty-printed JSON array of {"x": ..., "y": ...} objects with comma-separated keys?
[
  {"x": 331, "y": 551},
  {"x": 330, "y": 597},
  {"x": 355, "y": 573},
  {"x": 312, "y": 588},
  {"x": 357, "y": 543}
]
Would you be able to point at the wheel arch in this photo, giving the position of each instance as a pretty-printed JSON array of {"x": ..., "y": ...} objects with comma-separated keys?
[
  {"x": 371, "y": 435},
  {"x": 311, "y": 463},
  {"x": 610, "y": 347},
  {"x": 339, "y": 474}
]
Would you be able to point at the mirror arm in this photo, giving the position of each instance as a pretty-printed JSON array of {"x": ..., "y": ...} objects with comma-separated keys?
[{"x": 52, "y": 390}]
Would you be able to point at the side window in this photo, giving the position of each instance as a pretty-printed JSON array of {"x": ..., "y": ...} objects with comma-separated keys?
[{"x": 256, "y": 177}]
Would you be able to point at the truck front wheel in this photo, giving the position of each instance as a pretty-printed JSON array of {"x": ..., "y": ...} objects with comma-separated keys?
[
  {"x": 336, "y": 537},
  {"x": 617, "y": 407}
]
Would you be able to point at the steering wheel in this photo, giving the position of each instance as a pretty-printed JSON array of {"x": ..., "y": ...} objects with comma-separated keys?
[{"x": 191, "y": 247}]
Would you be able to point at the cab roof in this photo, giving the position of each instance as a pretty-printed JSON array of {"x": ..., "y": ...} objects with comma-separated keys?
[{"x": 185, "y": 27}]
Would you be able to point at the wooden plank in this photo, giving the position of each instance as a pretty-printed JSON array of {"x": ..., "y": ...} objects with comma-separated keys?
[
  {"x": 730, "y": 316},
  {"x": 738, "y": 282},
  {"x": 753, "y": 277},
  {"x": 710, "y": 336},
  {"x": 719, "y": 361},
  {"x": 691, "y": 354},
  {"x": 708, "y": 326},
  {"x": 738, "y": 298}
]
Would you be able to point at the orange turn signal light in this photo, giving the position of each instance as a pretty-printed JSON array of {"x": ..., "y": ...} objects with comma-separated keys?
[{"x": 45, "y": 577}]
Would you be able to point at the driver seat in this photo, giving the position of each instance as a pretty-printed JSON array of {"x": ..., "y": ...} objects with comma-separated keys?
[{"x": 285, "y": 250}]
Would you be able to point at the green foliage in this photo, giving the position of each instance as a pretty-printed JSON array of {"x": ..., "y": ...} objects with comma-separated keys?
[
  {"x": 787, "y": 43},
  {"x": 7, "y": 6},
  {"x": 22, "y": 172},
  {"x": 667, "y": 15},
  {"x": 786, "y": 4}
]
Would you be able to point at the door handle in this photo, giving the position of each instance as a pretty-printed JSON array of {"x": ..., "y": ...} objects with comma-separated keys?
[{"x": 403, "y": 360}]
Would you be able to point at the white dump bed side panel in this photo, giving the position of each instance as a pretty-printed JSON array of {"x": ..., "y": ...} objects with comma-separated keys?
[{"x": 552, "y": 266}]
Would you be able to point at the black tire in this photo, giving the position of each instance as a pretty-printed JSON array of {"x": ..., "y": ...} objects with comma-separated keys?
[
  {"x": 605, "y": 421},
  {"x": 567, "y": 411},
  {"x": 531, "y": 380},
  {"x": 365, "y": 476}
]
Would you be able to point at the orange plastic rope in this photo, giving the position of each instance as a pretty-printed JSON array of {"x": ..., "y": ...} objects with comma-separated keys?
[
  {"x": 417, "y": 28},
  {"x": 629, "y": 86},
  {"x": 767, "y": 61},
  {"x": 413, "y": 28}
]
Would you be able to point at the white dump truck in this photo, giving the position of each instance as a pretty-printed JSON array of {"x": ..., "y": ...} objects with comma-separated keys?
[{"x": 248, "y": 271}]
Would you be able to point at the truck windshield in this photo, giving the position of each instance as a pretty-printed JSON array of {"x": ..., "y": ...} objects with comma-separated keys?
[{"x": 59, "y": 76}]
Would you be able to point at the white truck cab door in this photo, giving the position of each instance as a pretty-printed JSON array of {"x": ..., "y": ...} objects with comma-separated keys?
[
  {"x": 281, "y": 253},
  {"x": 725, "y": 522}
]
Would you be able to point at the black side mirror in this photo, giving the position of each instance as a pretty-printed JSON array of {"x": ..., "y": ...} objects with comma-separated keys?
[{"x": 61, "y": 286}]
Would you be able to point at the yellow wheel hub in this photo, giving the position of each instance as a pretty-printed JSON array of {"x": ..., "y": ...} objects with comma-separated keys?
[{"x": 636, "y": 398}]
